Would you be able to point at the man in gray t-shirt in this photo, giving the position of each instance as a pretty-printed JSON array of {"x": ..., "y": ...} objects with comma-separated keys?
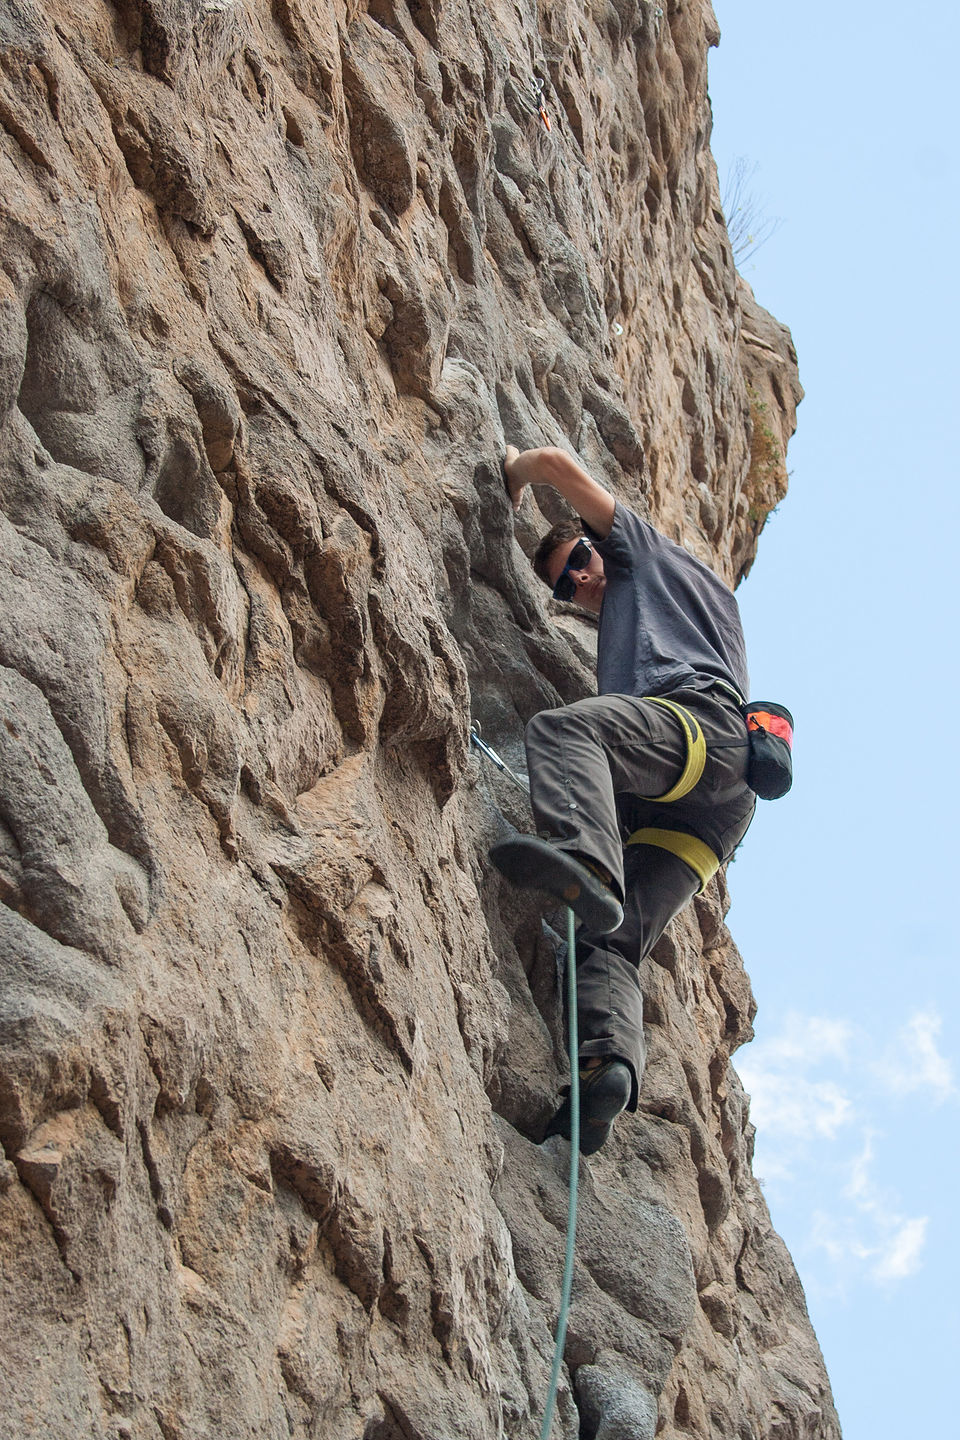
[
  {"x": 666, "y": 619},
  {"x": 639, "y": 792}
]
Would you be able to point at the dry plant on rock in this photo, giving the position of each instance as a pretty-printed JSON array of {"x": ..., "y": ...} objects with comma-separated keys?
[{"x": 747, "y": 226}]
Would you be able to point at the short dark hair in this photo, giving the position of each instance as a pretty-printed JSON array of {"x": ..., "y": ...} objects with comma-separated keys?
[{"x": 563, "y": 531}]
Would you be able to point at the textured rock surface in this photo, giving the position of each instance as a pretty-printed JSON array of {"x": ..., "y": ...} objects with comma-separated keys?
[{"x": 275, "y": 1046}]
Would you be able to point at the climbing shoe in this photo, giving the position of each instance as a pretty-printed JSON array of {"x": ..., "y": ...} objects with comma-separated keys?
[
  {"x": 535, "y": 864},
  {"x": 604, "y": 1092}
]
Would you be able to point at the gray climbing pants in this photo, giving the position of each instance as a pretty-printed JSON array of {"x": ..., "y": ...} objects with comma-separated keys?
[{"x": 593, "y": 766}]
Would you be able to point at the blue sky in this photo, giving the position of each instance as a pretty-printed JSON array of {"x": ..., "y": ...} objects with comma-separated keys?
[{"x": 846, "y": 901}]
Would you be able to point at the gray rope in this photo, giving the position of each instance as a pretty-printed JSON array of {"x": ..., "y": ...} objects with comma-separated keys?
[
  {"x": 567, "y": 1287},
  {"x": 573, "y": 1037}
]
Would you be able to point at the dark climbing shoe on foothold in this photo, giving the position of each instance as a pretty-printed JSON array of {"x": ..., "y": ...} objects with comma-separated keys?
[
  {"x": 604, "y": 1092},
  {"x": 535, "y": 864}
]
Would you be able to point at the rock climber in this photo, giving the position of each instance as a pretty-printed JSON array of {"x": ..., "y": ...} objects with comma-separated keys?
[{"x": 639, "y": 793}]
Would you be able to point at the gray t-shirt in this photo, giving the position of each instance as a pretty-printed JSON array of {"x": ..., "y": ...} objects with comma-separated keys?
[{"x": 666, "y": 619}]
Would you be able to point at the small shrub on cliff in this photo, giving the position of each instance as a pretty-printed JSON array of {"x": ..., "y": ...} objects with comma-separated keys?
[
  {"x": 766, "y": 482},
  {"x": 747, "y": 226}
]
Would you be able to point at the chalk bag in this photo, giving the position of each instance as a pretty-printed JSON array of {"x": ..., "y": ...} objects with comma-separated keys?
[{"x": 770, "y": 769}]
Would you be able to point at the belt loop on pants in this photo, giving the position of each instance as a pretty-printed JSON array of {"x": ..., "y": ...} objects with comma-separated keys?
[{"x": 696, "y": 752}]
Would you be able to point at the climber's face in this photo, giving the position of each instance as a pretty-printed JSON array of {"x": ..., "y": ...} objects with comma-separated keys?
[{"x": 576, "y": 573}]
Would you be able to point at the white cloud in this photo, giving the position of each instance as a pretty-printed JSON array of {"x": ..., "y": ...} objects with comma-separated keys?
[
  {"x": 859, "y": 1186},
  {"x": 900, "y": 1255},
  {"x": 888, "y": 1243},
  {"x": 812, "y": 1083},
  {"x": 805, "y": 1039},
  {"x": 784, "y": 1102},
  {"x": 914, "y": 1061},
  {"x": 893, "y": 1255},
  {"x": 791, "y": 1106}
]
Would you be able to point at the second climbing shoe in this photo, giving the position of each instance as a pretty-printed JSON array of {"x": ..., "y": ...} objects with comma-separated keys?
[{"x": 604, "y": 1091}]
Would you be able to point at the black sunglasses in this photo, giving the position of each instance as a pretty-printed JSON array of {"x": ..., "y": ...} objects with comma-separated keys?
[{"x": 578, "y": 559}]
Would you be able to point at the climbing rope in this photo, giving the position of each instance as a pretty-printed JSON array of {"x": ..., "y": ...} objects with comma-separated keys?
[
  {"x": 574, "y": 1048},
  {"x": 567, "y": 1285}
]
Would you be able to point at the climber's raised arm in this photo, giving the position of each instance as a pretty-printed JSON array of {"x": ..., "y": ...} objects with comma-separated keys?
[{"x": 551, "y": 466}]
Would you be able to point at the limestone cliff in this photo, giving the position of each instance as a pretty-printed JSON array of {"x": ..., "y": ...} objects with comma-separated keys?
[{"x": 276, "y": 1048}]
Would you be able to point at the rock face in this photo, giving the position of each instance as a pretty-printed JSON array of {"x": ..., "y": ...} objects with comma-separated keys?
[{"x": 276, "y": 1048}]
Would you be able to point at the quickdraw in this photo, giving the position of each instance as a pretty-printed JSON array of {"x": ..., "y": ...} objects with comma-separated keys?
[
  {"x": 492, "y": 755},
  {"x": 534, "y": 100},
  {"x": 540, "y": 102}
]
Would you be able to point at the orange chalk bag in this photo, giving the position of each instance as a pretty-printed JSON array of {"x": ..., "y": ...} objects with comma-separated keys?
[{"x": 770, "y": 768}]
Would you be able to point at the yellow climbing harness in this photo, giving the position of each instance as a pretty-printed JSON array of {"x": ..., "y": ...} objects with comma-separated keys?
[
  {"x": 696, "y": 751},
  {"x": 692, "y": 851},
  {"x": 701, "y": 859}
]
